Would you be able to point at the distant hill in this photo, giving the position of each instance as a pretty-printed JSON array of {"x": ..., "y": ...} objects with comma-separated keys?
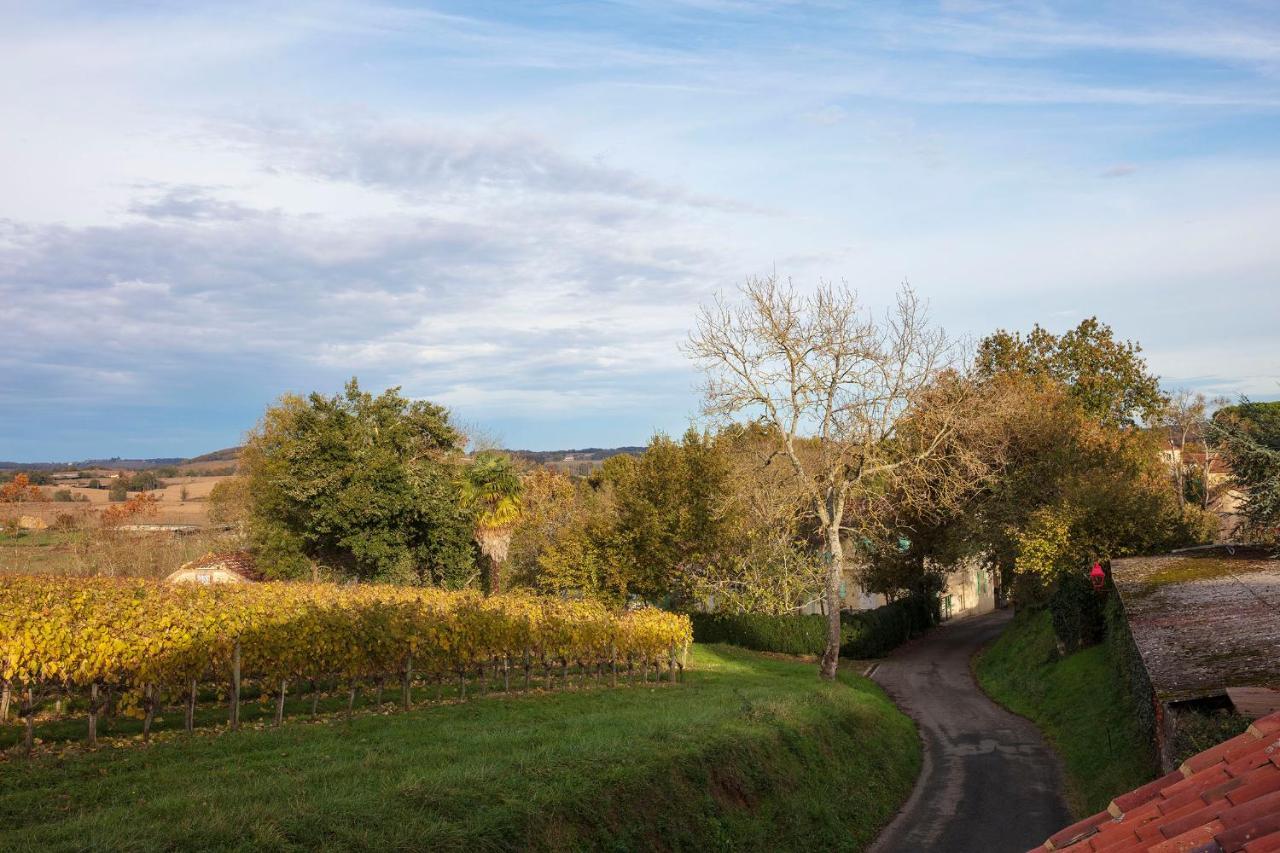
[
  {"x": 227, "y": 454},
  {"x": 586, "y": 454},
  {"x": 226, "y": 457},
  {"x": 591, "y": 456},
  {"x": 114, "y": 463}
]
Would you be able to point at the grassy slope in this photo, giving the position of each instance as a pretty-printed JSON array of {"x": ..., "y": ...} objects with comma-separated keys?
[
  {"x": 749, "y": 753},
  {"x": 1078, "y": 701}
]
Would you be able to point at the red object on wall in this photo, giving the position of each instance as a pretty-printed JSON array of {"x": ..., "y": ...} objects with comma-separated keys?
[{"x": 1098, "y": 577}]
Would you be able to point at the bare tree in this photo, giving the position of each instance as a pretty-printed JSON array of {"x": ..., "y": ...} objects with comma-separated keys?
[
  {"x": 830, "y": 384},
  {"x": 1186, "y": 419}
]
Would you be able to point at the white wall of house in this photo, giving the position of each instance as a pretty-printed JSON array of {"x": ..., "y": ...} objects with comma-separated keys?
[{"x": 971, "y": 590}]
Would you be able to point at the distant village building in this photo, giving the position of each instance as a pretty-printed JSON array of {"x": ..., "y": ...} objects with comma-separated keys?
[{"x": 227, "y": 567}]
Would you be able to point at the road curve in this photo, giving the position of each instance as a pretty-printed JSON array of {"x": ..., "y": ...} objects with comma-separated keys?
[{"x": 989, "y": 781}]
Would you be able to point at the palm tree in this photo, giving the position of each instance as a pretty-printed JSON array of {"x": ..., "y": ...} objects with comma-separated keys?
[{"x": 492, "y": 490}]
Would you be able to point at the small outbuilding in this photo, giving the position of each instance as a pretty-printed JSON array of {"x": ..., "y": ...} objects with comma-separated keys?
[{"x": 226, "y": 567}]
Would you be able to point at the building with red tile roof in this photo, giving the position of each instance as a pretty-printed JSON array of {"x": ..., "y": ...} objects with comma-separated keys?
[
  {"x": 227, "y": 567},
  {"x": 1224, "y": 800}
]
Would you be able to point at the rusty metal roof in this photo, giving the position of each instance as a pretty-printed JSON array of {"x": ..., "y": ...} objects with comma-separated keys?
[{"x": 1204, "y": 619}]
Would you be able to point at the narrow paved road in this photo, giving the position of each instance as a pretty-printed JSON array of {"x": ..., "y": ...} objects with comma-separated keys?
[{"x": 989, "y": 782}]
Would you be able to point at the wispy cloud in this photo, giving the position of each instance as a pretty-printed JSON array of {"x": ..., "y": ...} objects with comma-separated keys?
[{"x": 515, "y": 209}]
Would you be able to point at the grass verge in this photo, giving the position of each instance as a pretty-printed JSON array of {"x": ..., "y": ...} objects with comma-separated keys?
[
  {"x": 749, "y": 753},
  {"x": 1079, "y": 702}
]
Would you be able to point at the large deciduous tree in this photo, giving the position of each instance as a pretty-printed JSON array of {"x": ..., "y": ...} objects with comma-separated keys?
[
  {"x": 359, "y": 486},
  {"x": 1108, "y": 378},
  {"x": 831, "y": 385}
]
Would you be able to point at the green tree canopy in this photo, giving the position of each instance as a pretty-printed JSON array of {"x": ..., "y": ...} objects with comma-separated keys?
[
  {"x": 365, "y": 487},
  {"x": 1108, "y": 378},
  {"x": 1248, "y": 435}
]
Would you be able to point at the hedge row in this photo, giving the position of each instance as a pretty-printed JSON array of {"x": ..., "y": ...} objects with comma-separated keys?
[{"x": 863, "y": 633}]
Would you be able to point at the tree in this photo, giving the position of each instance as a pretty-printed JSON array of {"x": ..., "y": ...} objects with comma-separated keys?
[
  {"x": 360, "y": 486},
  {"x": 229, "y": 501},
  {"x": 562, "y": 542},
  {"x": 119, "y": 490},
  {"x": 491, "y": 490},
  {"x": 20, "y": 489},
  {"x": 1074, "y": 487},
  {"x": 1108, "y": 378},
  {"x": 670, "y": 512},
  {"x": 830, "y": 385},
  {"x": 1248, "y": 435}
]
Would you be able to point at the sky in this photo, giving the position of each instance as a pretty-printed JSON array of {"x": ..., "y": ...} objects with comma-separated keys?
[{"x": 515, "y": 209}]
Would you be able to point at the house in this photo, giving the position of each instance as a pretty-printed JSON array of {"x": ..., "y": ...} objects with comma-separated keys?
[
  {"x": 970, "y": 591},
  {"x": 227, "y": 567},
  {"x": 1223, "y": 800}
]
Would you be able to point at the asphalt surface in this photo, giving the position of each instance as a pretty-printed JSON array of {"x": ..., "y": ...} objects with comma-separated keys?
[{"x": 989, "y": 782}]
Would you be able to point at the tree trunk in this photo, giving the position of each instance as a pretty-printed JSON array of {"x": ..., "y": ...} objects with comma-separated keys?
[
  {"x": 191, "y": 708},
  {"x": 4, "y": 702},
  {"x": 835, "y": 574}
]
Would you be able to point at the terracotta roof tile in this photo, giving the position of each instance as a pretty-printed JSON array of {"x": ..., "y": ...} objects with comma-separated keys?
[
  {"x": 1234, "y": 839},
  {"x": 1266, "y": 726},
  {"x": 1269, "y": 844},
  {"x": 1224, "y": 800}
]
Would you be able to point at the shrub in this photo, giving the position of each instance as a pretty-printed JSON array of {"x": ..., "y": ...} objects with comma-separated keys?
[
  {"x": 1076, "y": 608},
  {"x": 63, "y": 496},
  {"x": 791, "y": 634},
  {"x": 119, "y": 491},
  {"x": 863, "y": 633}
]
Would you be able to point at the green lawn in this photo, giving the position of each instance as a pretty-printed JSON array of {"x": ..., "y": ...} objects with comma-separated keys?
[
  {"x": 1079, "y": 702},
  {"x": 748, "y": 753}
]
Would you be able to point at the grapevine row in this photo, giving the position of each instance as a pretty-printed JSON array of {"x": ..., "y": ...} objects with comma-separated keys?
[{"x": 138, "y": 640}]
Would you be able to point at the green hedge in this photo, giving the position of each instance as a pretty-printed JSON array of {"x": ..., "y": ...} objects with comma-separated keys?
[{"x": 863, "y": 633}]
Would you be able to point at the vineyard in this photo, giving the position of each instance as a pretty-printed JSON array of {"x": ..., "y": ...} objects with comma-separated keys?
[{"x": 139, "y": 646}]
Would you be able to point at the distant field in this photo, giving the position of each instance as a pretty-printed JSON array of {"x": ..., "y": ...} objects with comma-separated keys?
[
  {"x": 749, "y": 754},
  {"x": 172, "y": 509}
]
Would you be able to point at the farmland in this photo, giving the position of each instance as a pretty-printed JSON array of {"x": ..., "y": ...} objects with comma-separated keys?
[{"x": 748, "y": 753}]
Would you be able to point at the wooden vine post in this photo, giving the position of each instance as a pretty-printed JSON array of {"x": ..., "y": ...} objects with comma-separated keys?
[
  {"x": 284, "y": 685},
  {"x": 27, "y": 710},
  {"x": 190, "y": 721},
  {"x": 235, "y": 688},
  {"x": 148, "y": 711},
  {"x": 93, "y": 715},
  {"x": 406, "y": 683}
]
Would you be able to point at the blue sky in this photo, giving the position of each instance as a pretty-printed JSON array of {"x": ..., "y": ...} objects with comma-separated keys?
[{"x": 515, "y": 208}]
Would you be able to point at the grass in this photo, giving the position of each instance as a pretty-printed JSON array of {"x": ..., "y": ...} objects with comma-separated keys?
[
  {"x": 1079, "y": 702},
  {"x": 748, "y": 753}
]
